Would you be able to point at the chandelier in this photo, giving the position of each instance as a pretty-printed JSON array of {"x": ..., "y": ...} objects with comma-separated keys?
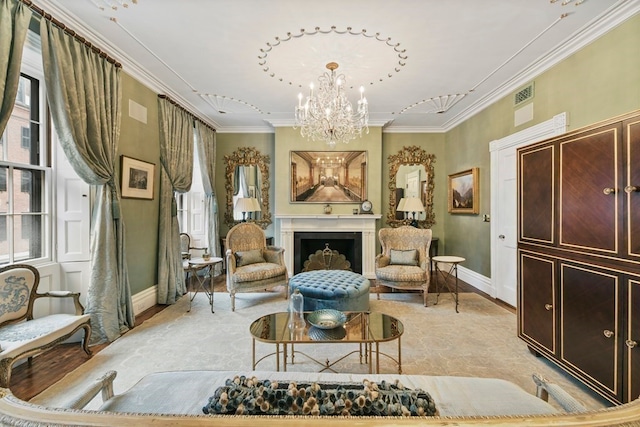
[{"x": 327, "y": 114}]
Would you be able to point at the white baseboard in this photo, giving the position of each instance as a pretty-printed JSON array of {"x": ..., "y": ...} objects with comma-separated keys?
[
  {"x": 476, "y": 280},
  {"x": 145, "y": 299}
]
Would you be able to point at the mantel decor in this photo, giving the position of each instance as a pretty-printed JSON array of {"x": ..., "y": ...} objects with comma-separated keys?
[
  {"x": 463, "y": 192},
  {"x": 136, "y": 178},
  {"x": 248, "y": 156},
  {"x": 410, "y": 156}
]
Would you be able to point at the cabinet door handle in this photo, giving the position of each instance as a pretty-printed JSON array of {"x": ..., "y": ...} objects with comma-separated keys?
[
  {"x": 607, "y": 333},
  {"x": 548, "y": 307},
  {"x": 631, "y": 188},
  {"x": 609, "y": 190},
  {"x": 501, "y": 237},
  {"x": 631, "y": 343}
]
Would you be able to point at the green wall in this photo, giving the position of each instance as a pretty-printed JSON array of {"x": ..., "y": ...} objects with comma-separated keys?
[
  {"x": 141, "y": 141},
  {"x": 598, "y": 82}
]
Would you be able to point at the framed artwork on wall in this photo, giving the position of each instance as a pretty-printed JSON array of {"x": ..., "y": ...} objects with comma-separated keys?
[
  {"x": 328, "y": 176},
  {"x": 136, "y": 178},
  {"x": 463, "y": 192}
]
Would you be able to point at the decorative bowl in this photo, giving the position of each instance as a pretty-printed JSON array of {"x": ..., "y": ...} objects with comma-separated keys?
[
  {"x": 334, "y": 334},
  {"x": 327, "y": 318}
]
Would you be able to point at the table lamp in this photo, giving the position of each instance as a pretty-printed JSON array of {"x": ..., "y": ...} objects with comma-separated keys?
[
  {"x": 413, "y": 204},
  {"x": 244, "y": 205}
]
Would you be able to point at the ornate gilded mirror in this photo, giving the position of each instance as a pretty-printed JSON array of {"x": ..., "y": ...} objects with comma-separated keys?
[
  {"x": 247, "y": 177},
  {"x": 409, "y": 165}
]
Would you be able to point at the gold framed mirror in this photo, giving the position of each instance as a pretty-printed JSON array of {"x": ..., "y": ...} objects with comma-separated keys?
[
  {"x": 247, "y": 177},
  {"x": 413, "y": 163}
]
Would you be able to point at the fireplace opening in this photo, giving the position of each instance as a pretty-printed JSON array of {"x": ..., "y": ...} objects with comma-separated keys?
[{"x": 347, "y": 243}]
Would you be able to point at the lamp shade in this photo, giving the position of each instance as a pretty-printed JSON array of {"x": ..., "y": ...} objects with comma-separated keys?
[
  {"x": 255, "y": 205},
  {"x": 244, "y": 204},
  {"x": 401, "y": 204},
  {"x": 412, "y": 204}
]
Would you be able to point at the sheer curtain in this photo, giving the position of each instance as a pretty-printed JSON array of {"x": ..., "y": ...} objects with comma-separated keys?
[
  {"x": 14, "y": 23},
  {"x": 206, "y": 143},
  {"x": 176, "y": 158},
  {"x": 84, "y": 96}
]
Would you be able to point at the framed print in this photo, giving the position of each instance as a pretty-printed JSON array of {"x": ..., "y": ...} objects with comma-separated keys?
[
  {"x": 463, "y": 192},
  {"x": 328, "y": 176},
  {"x": 136, "y": 178}
]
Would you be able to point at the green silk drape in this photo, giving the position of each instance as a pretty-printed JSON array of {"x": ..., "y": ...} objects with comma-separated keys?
[
  {"x": 84, "y": 93},
  {"x": 176, "y": 172},
  {"x": 206, "y": 143},
  {"x": 14, "y": 23}
]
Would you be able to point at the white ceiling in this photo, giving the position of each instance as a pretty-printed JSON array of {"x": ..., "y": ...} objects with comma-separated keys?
[{"x": 240, "y": 64}]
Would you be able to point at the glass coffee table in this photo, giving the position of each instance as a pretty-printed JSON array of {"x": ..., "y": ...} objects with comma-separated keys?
[{"x": 365, "y": 329}]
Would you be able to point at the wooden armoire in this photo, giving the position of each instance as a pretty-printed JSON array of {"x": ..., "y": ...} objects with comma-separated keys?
[{"x": 579, "y": 254}]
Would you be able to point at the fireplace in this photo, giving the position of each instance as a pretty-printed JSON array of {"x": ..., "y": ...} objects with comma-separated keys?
[
  {"x": 363, "y": 226},
  {"x": 347, "y": 243}
]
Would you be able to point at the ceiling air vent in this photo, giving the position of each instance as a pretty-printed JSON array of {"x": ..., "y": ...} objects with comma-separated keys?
[{"x": 524, "y": 94}]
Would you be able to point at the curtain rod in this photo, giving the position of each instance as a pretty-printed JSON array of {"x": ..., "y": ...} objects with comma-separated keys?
[
  {"x": 72, "y": 33},
  {"x": 187, "y": 111}
]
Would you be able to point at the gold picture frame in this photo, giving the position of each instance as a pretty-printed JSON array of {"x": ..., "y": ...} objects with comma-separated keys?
[
  {"x": 137, "y": 178},
  {"x": 463, "y": 192}
]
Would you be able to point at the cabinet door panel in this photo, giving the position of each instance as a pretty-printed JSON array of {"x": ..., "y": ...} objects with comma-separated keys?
[
  {"x": 632, "y": 187},
  {"x": 589, "y": 166},
  {"x": 537, "y": 300},
  {"x": 633, "y": 336},
  {"x": 589, "y": 324},
  {"x": 537, "y": 195}
]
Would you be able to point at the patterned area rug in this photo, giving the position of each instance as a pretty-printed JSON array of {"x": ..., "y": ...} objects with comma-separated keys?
[{"x": 480, "y": 341}]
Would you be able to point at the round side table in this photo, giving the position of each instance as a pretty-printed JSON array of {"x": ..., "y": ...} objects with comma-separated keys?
[
  {"x": 192, "y": 266},
  {"x": 454, "y": 261}
]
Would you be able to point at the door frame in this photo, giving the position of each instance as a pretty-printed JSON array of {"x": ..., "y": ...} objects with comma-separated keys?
[{"x": 547, "y": 129}]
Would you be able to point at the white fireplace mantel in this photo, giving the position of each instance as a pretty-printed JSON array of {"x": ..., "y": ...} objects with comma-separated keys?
[{"x": 365, "y": 224}]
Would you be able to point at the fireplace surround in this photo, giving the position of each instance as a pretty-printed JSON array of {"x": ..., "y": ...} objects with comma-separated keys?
[{"x": 365, "y": 225}]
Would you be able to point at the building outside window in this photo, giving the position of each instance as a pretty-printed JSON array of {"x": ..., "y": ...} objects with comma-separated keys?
[{"x": 24, "y": 218}]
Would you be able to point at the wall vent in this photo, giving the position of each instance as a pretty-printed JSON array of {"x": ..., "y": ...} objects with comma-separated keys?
[{"x": 524, "y": 94}]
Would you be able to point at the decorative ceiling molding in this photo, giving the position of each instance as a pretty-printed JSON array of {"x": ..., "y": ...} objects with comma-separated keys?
[{"x": 264, "y": 52}]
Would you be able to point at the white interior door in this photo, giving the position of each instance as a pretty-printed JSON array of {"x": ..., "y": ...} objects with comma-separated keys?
[
  {"x": 506, "y": 225},
  {"x": 504, "y": 204}
]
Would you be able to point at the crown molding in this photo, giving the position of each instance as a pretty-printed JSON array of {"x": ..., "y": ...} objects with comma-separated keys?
[{"x": 615, "y": 16}]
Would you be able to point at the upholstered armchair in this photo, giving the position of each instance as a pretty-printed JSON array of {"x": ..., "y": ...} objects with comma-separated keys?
[
  {"x": 251, "y": 264},
  {"x": 404, "y": 261}
]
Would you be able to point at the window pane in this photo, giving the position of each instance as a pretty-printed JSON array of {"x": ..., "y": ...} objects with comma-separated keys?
[
  {"x": 27, "y": 186},
  {"x": 28, "y": 237}
]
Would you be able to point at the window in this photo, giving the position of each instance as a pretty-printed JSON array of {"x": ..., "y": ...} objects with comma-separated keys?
[
  {"x": 24, "y": 208},
  {"x": 26, "y": 137}
]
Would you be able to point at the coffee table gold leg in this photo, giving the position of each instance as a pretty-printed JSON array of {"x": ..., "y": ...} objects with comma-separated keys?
[
  {"x": 399, "y": 356},
  {"x": 277, "y": 357},
  {"x": 284, "y": 357},
  {"x": 253, "y": 354},
  {"x": 377, "y": 358}
]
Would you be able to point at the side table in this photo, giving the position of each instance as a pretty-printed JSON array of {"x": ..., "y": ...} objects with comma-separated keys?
[
  {"x": 454, "y": 261},
  {"x": 192, "y": 266}
]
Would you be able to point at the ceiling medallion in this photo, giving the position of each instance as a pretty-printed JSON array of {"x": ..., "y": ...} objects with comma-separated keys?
[
  {"x": 437, "y": 104},
  {"x": 221, "y": 103},
  {"x": 327, "y": 115},
  {"x": 400, "y": 53}
]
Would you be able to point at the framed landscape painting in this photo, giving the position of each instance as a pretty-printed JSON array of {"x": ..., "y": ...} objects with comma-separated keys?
[
  {"x": 137, "y": 178},
  {"x": 463, "y": 192}
]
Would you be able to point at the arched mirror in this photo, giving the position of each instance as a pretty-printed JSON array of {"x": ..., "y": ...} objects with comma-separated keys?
[
  {"x": 411, "y": 175},
  {"x": 247, "y": 185}
]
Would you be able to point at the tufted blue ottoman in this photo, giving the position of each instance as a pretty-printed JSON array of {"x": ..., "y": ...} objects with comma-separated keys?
[{"x": 337, "y": 289}]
